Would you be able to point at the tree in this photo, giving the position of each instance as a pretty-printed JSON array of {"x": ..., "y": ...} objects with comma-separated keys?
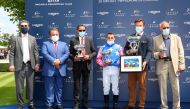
[
  {"x": 6, "y": 39},
  {"x": 15, "y": 8}
]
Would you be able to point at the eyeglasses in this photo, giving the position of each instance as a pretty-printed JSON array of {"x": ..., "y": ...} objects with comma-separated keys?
[
  {"x": 165, "y": 27},
  {"x": 23, "y": 26},
  {"x": 81, "y": 30}
]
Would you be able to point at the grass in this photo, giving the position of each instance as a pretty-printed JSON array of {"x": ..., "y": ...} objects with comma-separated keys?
[{"x": 7, "y": 89}]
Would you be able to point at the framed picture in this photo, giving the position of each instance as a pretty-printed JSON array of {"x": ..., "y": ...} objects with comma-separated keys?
[{"x": 131, "y": 63}]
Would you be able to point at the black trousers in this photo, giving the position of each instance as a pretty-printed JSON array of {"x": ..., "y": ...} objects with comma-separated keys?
[{"x": 80, "y": 70}]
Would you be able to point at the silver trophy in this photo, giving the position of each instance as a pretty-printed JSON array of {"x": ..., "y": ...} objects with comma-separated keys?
[
  {"x": 80, "y": 50},
  {"x": 106, "y": 56},
  {"x": 134, "y": 47},
  {"x": 134, "y": 44}
]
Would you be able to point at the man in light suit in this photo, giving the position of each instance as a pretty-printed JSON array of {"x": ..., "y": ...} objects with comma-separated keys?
[
  {"x": 24, "y": 59},
  {"x": 169, "y": 54},
  {"x": 81, "y": 57},
  {"x": 55, "y": 54}
]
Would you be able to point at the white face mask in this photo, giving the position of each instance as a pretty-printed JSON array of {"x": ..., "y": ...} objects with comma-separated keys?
[{"x": 54, "y": 38}]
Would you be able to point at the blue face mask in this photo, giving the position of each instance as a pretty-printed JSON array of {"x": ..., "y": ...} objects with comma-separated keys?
[
  {"x": 139, "y": 29},
  {"x": 166, "y": 32},
  {"x": 110, "y": 42},
  {"x": 24, "y": 30},
  {"x": 82, "y": 34}
]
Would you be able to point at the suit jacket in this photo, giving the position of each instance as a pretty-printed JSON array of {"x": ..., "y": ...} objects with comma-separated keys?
[
  {"x": 16, "y": 52},
  {"x": 145, "y": 47},
  {"x": 50, "y": 54},
  {"x": 89, "y": 49},
  {"x": 176, "y": 51}
]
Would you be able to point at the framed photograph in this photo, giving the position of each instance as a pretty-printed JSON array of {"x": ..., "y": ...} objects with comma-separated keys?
[{"x": 131, "y": 63}]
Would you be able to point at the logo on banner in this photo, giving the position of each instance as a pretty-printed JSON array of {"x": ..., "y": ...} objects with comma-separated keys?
[
  {"x": 102, "y": 13},
  {"x": 187, "y": 23},
  {"x": 119, "y": 25},
  {"x": 88, "y": 24},
  {"x": 68, "y": 79},
  {"x": 69, "y": 25},
  {"x": 153, "y": 79},
  {"x": 154, "y": 24},
  {"x": 37, "y": 25},
  {"x": 152, "y": 34},
  {"x": 53, "y": 13},
  {"x": 53, "y": 25},
  {"x": 69, "y": 14},
  {"x": 172, "y": 12},
  {"x": 187, "y": 80},
  {"x": 119, "y": 13},
  {"x": 101, "y": 36},
  {"x": 172, "y": 24},
  {"x": 154, "y": 12},
  {"x": 50, "y": 1},
  {"x": 187, "y": 57},
  {"x": 187, "y": 12},
  {"x": 37, "y": 15},
  {"x": 187, "y": 47},
  {"x": 102, "y": 25},
  {"x": 120, "y": 35},
  {"x": 86, "y": 14},
  {"x": 53, "y": 3},
  {"x": 38, "y": 36},
  {"x": 187, "y": 35},
  {"x": 136, "y": 13},
  {"x": 69, "y": 35}
]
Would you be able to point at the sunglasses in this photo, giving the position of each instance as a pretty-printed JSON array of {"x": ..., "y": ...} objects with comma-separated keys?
[
  {"x": 166, "y": 27},
  {"x": 23, "y": 26},
  {"x": 81, "y": 30}
]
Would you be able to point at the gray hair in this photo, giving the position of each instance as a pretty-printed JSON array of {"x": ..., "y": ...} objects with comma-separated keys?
[
  {"x": 23, "y": 21},
  {"x": 164, "y": 22}
]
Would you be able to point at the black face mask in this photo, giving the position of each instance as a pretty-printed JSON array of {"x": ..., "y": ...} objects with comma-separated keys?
[{"x": 24, "y": 30}]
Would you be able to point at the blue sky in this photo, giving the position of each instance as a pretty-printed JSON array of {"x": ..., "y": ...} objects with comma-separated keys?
[{"x": 5, "y": 24}]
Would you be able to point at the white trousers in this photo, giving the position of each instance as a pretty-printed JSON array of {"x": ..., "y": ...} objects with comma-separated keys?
[
  {"x": 168, "y": 72},
  {"x": 111, "y": 76}
]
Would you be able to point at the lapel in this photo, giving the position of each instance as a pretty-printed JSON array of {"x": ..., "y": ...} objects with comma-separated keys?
[
  {"x": 77, "y": 40},
  {"x": 52, "y": 48},
  {"x": 29, "y": 42},
  {"x": 161, "y": 41},
  {"x": 20, "y": 42},
  {"x": 171, "y": 43}
]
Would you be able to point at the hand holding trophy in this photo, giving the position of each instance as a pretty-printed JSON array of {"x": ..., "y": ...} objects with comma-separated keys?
[
  {"x": 80, "y": 51},
  {"x": 106, "y": 55}
]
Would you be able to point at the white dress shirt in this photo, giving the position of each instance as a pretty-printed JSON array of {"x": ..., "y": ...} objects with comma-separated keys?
[{"x": 25, "y": 48}]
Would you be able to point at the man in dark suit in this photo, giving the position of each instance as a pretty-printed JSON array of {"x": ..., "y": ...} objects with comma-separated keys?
[
  {"x": 138, "y": 44},
  {"x": 55, "y": 54},
  {"x": 24, "y": 59},
  {"x": 82, "y": 51}
]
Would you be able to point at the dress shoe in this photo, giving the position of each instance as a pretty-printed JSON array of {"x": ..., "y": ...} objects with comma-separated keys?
[
  {"x": 59, "y": 107},
  {"x": 76, "y": 106},
  {"x": 49, "y": 107},
  {"x": 20, "y": 107},
  {"x": 85, "y": 106},
  {"x": 31, "y": 106},
  {"x": 129, "y": 107}
]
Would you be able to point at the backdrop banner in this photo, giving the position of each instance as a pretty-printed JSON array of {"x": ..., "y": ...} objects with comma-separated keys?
[{"x": 101, "y": 17}]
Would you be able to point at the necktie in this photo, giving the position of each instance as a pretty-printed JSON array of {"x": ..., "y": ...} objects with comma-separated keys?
[
  {"x": 82, "y": 40},
  {"x": 82, "y": 43},
  {"x": 55, "y": 47}
]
